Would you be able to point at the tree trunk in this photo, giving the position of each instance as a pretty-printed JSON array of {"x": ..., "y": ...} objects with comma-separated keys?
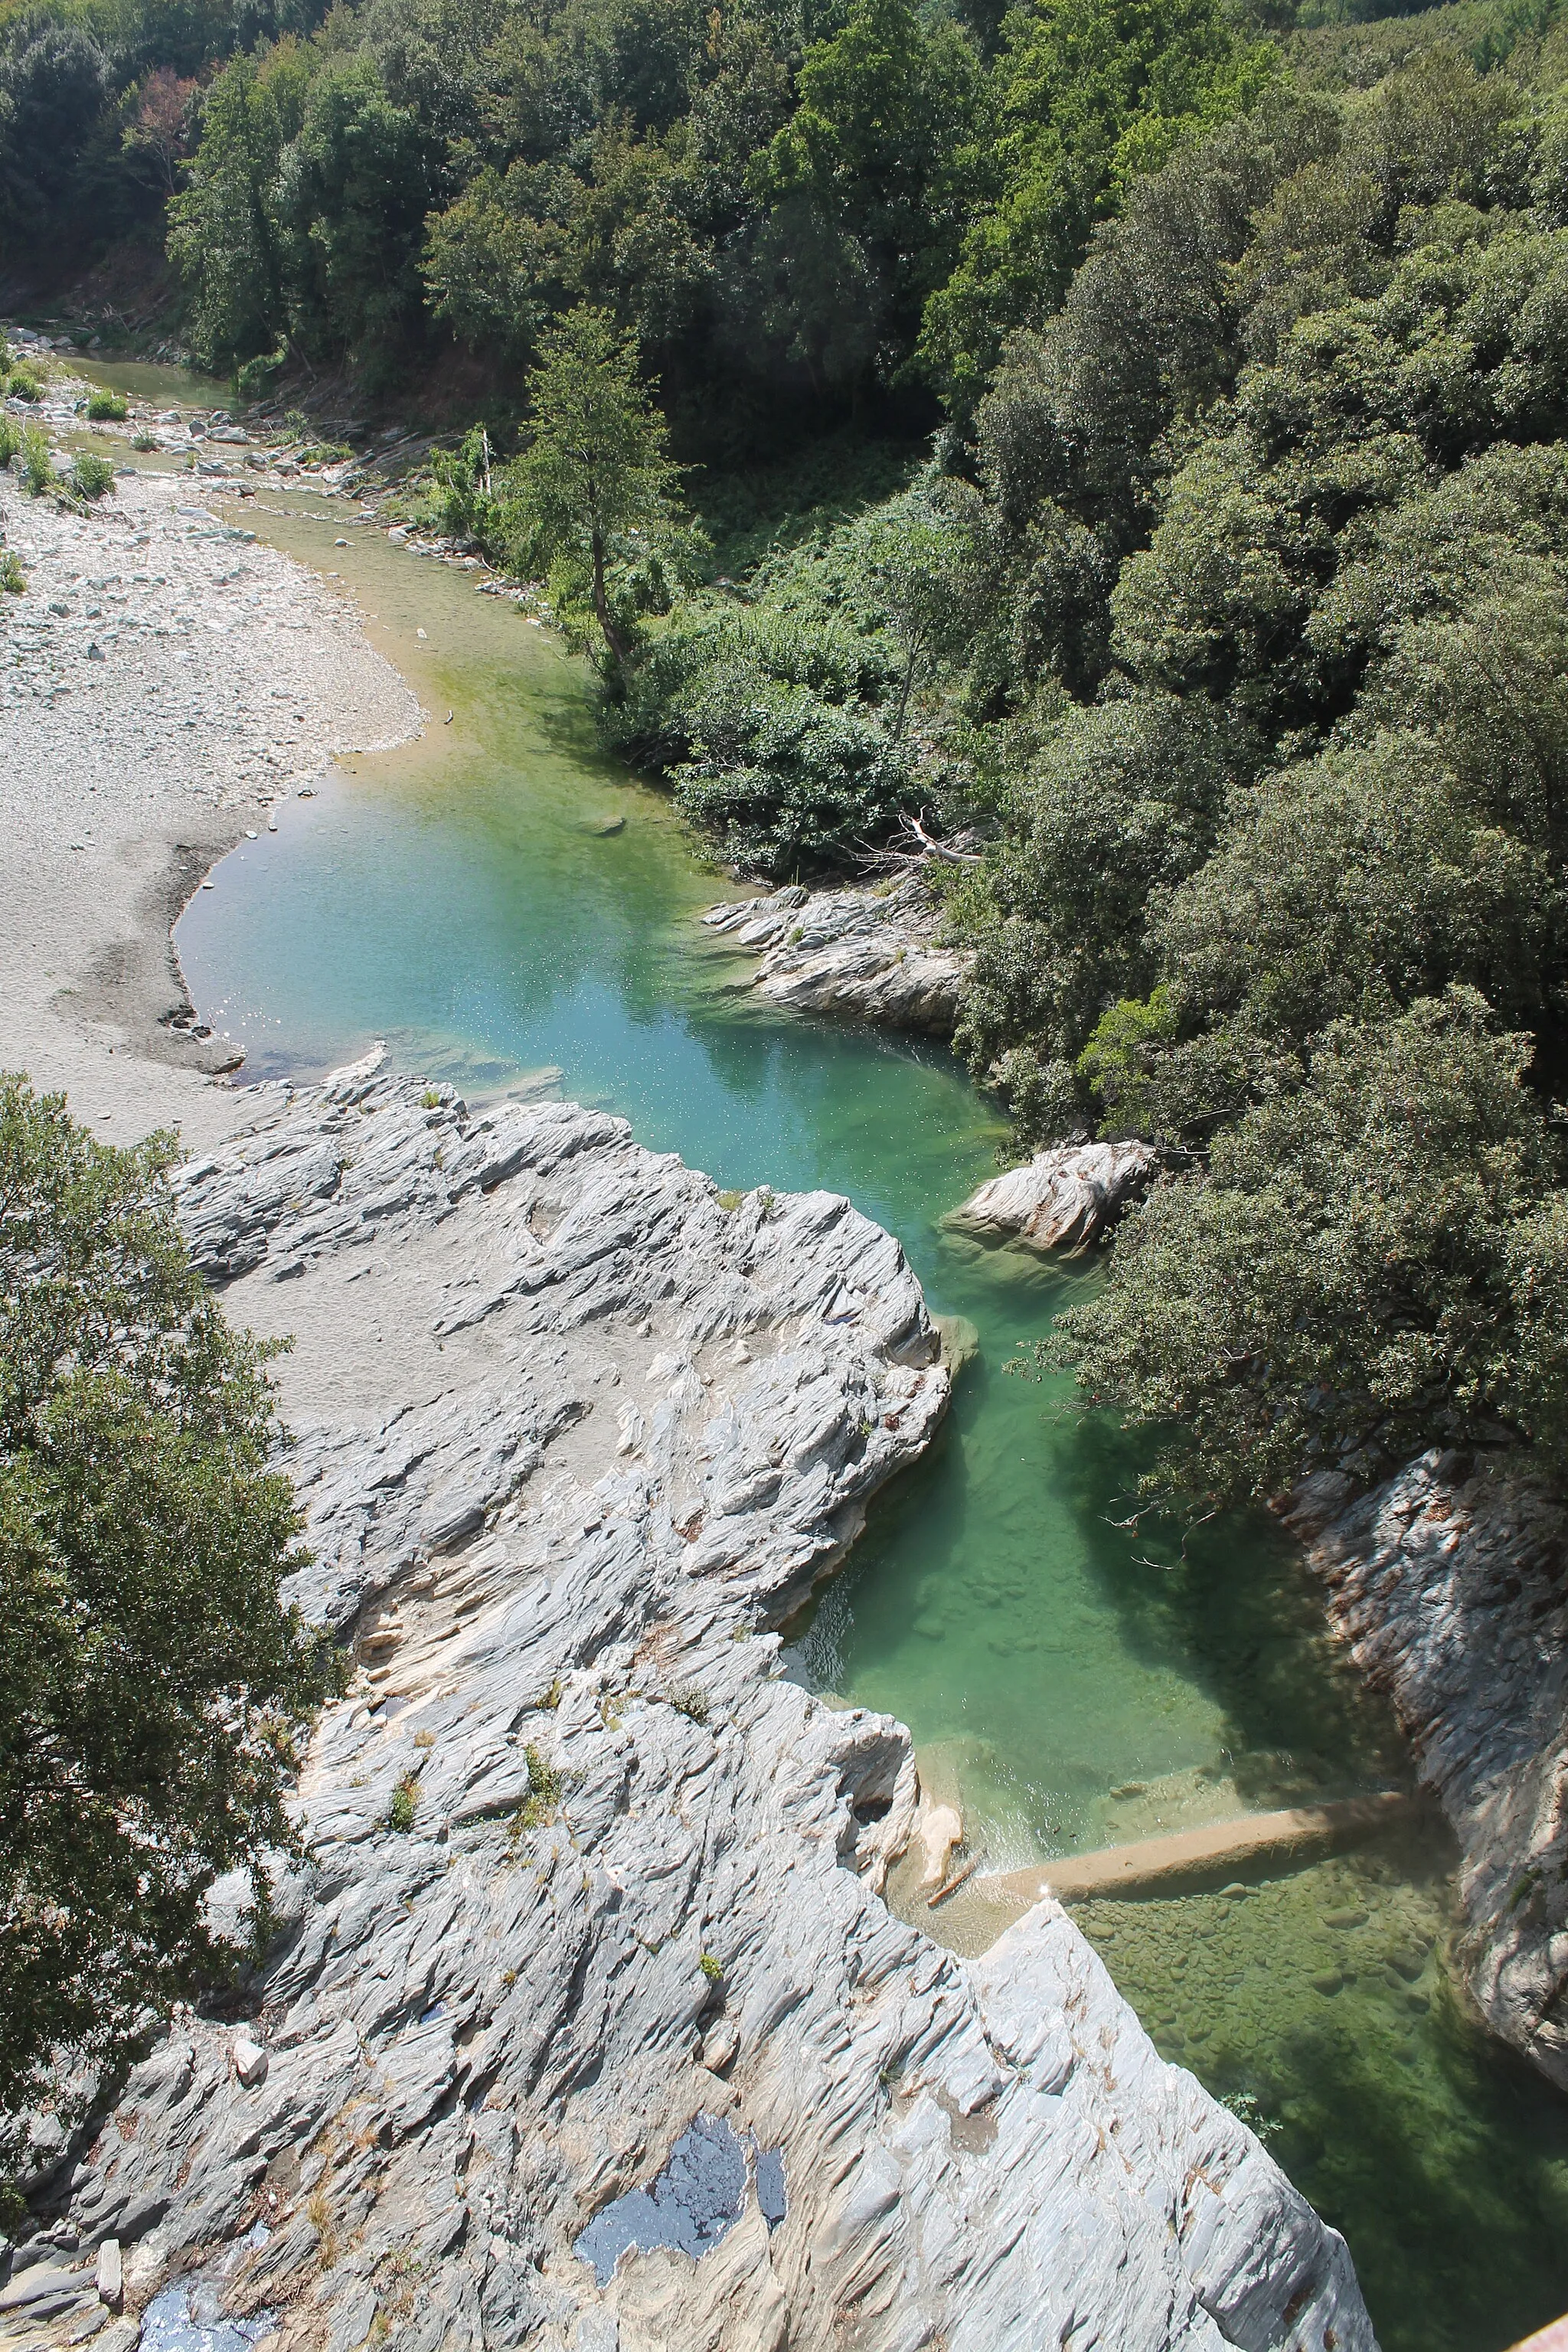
[{"x": 602, "y": 605}]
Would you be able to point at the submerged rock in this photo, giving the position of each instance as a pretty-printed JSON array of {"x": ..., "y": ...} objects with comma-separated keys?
[
  {"x": 865, "y": 954},
  {"x": 584, "y": 2022},
  {"x": 1062, "y": 1199},
  {"x": 1448, "y": 1585}
]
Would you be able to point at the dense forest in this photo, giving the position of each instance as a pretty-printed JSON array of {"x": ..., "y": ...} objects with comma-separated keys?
[{"x": 1129, "y": 432}]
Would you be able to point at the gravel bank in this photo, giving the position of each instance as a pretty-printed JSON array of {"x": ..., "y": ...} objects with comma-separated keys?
[{"x": 163, "y": 679}]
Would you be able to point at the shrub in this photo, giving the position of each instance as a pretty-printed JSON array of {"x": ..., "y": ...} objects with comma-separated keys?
[
  {"x": 13, "y": 579},
  {"x": 148, "y": 1670},
  {"x": 143, "y": 441},
  {"x": 712, "y": 1968},
  {"x": 108, "y": 408},
  {"x": 544, "y": 1786},
  {"x": 10, "y": 439},
  {"x": 37, "y": 462},
  {"x": 21, "y": 384},
  {"x": 90, "y": 476},
  {"x": 404, "y": 1806}
]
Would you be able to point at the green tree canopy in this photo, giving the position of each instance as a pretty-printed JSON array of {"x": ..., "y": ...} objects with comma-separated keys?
[
  {"x": 596, "y": 473},
  {"x": 149, "y": 1676}
]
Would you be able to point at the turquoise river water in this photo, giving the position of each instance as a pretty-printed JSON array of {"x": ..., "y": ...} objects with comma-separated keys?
[{"x": 1074, "y": 1682}]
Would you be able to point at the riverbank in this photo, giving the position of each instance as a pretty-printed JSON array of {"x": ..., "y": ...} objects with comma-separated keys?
[
  {"x": 165, "y": 681},
  {"x": 572, "y": 1426}
]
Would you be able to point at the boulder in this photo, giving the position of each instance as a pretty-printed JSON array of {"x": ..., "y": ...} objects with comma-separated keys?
[
  {"x": 866, "y": 955},
  {"x": 1447, "y": 1581},
  {"x": 1063, "y": 1198}
]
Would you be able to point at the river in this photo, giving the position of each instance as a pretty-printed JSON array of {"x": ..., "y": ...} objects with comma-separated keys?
[{"x": 1072, "y": 1680}]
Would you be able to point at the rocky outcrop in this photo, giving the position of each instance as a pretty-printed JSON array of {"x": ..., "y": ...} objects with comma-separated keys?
[
  {"x": 1451, "y": 1586},
  {"x": 582, "y": 2023},
  {"x": 1062, "y": 1199},
  {"x": 866, "y": 955}
]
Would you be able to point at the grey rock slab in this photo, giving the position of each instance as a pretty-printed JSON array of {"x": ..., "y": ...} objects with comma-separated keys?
[
  {"x": 639, "y": 1882},
  {"x": 1062, "y": 1199},
  {"x": 1446, "y": 1581},
  {"x": 868, "y": 955}
]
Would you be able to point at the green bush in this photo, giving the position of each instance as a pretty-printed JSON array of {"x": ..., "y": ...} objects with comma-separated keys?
[
  {"x": 24, "y": 383},
  {"x": 148, "y": 1674},
  {"x": 13, "y": 579},
  {"x": 90, "y": 476},
  {"x": 10, "y": 438},
  {"x": 38, "y": 473},
  {"x": 404, "y": 1806},
  {"x": 108, "y": 408}
]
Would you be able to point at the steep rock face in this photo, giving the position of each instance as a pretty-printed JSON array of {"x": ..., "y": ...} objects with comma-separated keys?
[
  {"x": 861, "y": 954},
  {"x": 1452, "y": 1590},
  {"x": 1063, "y": 1198},
  {"x": 590, "y": 1905}
]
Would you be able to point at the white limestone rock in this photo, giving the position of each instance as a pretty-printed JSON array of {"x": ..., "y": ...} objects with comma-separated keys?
[
  {"x": 1062, "y": 1199},
  {"x": 1448, "y": 1582},
  {"x": 638, "y": 1888},
  {"x": 866, "y": 955}
]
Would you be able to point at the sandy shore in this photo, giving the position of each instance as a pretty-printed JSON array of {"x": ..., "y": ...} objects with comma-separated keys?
[{"x": 163, "y": 680}]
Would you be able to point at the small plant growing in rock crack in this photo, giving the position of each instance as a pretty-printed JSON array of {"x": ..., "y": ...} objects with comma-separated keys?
[
  {"x": 424, "y": 1740},
  {"x": 552, "y": 1698},
  {"x": 691, "y": 1702},
  {"x": 712, "y": 1968},
  {"x": 430, "y": 1099},
  {"x": 13, "y": 579},
  {"x": 404, "y": 1806},
  {"x": 318, "y": 2213},
  {"x": 538, "y": 1808},
  {"x": 731, "y": 1200}
]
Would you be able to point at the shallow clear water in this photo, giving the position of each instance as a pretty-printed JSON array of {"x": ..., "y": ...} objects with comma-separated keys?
[{"x": 1070, "y": 1679}]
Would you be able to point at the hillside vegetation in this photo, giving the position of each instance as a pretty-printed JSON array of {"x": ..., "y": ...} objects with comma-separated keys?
[{"x": 1135, "y": 432}]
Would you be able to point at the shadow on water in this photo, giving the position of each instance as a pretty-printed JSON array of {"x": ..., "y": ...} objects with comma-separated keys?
[{"x": 1074, "y": 1682}]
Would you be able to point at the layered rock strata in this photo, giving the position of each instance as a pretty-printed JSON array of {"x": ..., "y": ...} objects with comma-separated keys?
[
  {"x": 1062, "y": 1199},
  {"x": 866, "y": 955},
  {"x": 1451, "y": 1587},
  {"x": 590, "y": 1906}
]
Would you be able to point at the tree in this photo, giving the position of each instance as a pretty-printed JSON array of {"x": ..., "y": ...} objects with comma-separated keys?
[
  {"x": 158, "y": 126},
  {"x": 596, "y": 471},
  {"x": 149, "y": 1675},
  {"x": 223, "y": 228},
  {"x": 1374, "y": 1262}
]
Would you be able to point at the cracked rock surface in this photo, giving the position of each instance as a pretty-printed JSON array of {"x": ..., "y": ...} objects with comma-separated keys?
[
  {"x": 1449, "y": 1584},
  {"x": 865, "y": 954},
  {"x": 586, "y": 1875}
]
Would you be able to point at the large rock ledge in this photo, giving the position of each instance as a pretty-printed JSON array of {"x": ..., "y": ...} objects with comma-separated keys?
[
  {"x": 1450, "y": 1587},
  {"x": 570, "y": 1426},
  {"x": 864, "y": 955}
]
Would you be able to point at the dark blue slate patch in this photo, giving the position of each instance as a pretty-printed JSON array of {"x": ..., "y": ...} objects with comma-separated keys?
[
  {"x": 696, "y": 2199},
  {"x": 770, "y": 2195},
  {"x": 187, "y": 2319}
]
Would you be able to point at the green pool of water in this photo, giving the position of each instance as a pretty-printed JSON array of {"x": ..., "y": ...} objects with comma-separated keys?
[{"x": 1070, "y": 1679}]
